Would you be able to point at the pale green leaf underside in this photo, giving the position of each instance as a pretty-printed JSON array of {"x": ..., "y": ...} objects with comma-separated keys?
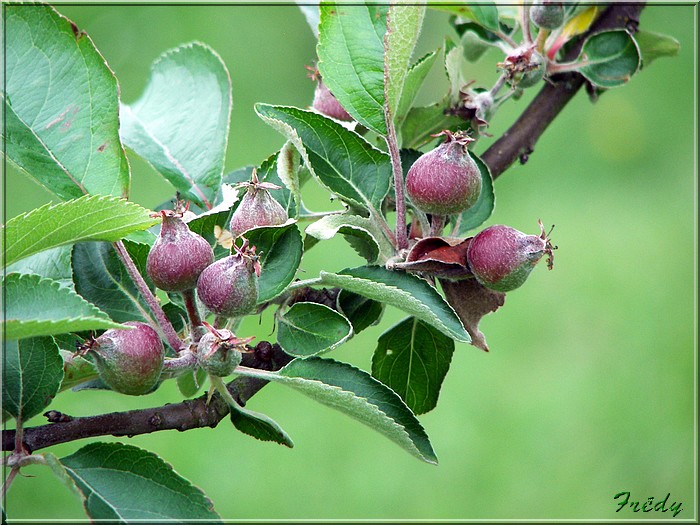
[
  {"x": 340, "y": 159},
  {"x": 92, "y": 217},
  {"x": 62, "y": 106},
  {"x": 351, "y": 59},
  {"x": 181, "y": 122},
  {"x": 404, "y": 291},
  {"x": 412, "y": 358},
  {"x": 32, "y": 375},
  {"x": 308, "y": 329},
  {"x": 403, "y": 27},
  {"x": 126, "y": 483},
  {"x": 36, "y": 306},
  {"x": 357, "y": 394}
]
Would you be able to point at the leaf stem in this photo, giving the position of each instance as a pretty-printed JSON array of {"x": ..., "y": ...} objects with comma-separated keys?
[
  {"x": 164, "y": 324},
  {"x": 541, "y": 39},
  {"x": 391, "y": 141},
  {"x": 192, "y": 314}
]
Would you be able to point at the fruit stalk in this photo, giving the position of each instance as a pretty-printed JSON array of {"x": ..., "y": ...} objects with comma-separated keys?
[{"x": 163, "y": 323}]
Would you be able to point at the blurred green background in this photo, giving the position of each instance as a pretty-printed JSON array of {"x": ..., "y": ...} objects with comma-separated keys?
[{"x": 589, "y": 386}]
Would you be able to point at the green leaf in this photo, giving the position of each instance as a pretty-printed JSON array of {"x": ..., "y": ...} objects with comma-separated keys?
[
  {"x": 359, "y": 310},
  {"x": 484, "y": 205},
  {"x": 92, "y": 217},
  {"x": 61, "y": 473},
  {"x": 483, "y": 13},
  {"x": 374, "y": 245},
  {"x": 415, "y": 77},
  {"x": 36, "y": 306},
  {"x": 655, "y": 45},
  {"x": 32, "y": 374},
  {"x": 126, "y": 483},
  {"x": 310, "y": 328},
  {"x": 422, "y": 122},
  {"x": 181, "y": 122},
  {"x": 191, "y": 381},
  {"x": 402, "y": 290},
  {"x": 610, "y": 57},
  {"x": 61, "y": 104},
  {"x": 100, "y": 277},
  {"x": 404, "y": 23},
  {"x": 340, "y": 159},
  {"x": 351, "y": 59},
  {"x": 52, "y": 264},
  {"x": 259, "y": 426},
  {"x": 76, "y": 369},
  {"x": 280, "y": 249},
  {"x": 282, "y": 169},
  {"x": 412, "y": 358},
  {"x": 357, "y": 394}
]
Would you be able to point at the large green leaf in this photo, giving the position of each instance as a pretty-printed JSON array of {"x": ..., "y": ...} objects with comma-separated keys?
[
  {"x": 655, "y": 45},
  {"x": 308, "y": 329},
  {"x": 181, "y": 122},
  {"x": 484, "y": 205},
  {"x": 92, "y": 217},
  {"x": 61, "y": 106},
  {"x": 403, "y": 27},
  {"x": 35, "y": 306},
  {"x": 402, "y": 290},
  {"x": 32, "y": 374},
  {"x": 126, "y": 483},
  {"x": 101, "y": 278},
  {"x": 412, "y": 358},
  {"x": 610, "y": 57},
  {"x": 342, "y": 160},
  {"x": 351, "y": 59},
  {"x": 357, "y": 394},
  {"x": 280, "y": 249}
]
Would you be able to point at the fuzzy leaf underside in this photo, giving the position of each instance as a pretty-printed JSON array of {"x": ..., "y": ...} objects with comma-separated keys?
[
  {"x": 357, "y": 394},
  {"x": 402, "y": 290}
]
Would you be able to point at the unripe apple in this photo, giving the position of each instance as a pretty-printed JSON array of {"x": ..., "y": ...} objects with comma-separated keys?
[
  {"x": 178, "y": 256},
  {"x": 501, "y": 258},
  {"x": 128, "y": 361},
  {"x": 446, "y": 180},
  {"x": 257, "y": 208}
]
